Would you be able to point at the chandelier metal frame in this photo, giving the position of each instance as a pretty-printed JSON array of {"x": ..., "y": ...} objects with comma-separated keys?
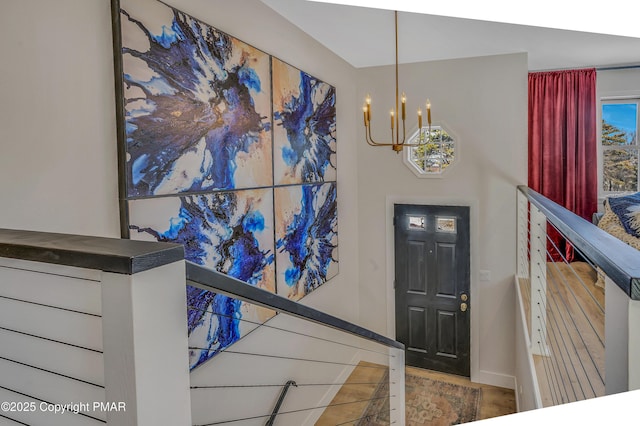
[{"x": 396, "y": 144}]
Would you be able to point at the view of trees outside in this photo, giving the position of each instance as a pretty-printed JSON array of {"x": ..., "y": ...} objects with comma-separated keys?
[
  {"x": 620, "y": 147},
  {"x": 437, "y": 154}
]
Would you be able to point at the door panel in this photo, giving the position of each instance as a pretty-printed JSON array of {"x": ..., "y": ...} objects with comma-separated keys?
[
  {"x": 417, "y": 272},
  {"x": 417, "y": 329},
  {"x": 446, "y": 267},
  {"x": 447, "y": 334},
  {"x": 432, "y": 275}
]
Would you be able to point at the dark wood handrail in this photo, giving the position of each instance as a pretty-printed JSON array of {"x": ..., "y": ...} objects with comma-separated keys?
[
  {"x": 619, "y": 261},
  {"x": 84, "y": 251},
  {"x": 218, "y": 282}
]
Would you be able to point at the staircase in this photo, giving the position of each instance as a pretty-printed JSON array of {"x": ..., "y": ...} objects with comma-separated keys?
[{"x": 94, "y": 331}]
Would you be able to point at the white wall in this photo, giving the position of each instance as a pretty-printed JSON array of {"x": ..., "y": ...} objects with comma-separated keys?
[
  {"x": 618, "y": 82},
  {"x": 57, "y": 119},
  {"x": 484, "y": 102}
]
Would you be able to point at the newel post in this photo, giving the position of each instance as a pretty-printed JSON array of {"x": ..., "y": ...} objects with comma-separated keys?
[
  {"x": 146, "y": 365},
  {"x": 622, "y": 340},
  {"x": 397, "y": 386}
]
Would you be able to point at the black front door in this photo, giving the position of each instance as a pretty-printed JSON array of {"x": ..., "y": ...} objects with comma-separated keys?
[{"x": 432, "y": 286}]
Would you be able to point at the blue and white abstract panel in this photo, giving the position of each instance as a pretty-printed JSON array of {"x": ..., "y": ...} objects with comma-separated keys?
[
  {"x": 304, "y": 111},
  {"x": 306, "y": 237},
  {"x": 197, "y": 105},
  {"x": 230, "y": 232}
]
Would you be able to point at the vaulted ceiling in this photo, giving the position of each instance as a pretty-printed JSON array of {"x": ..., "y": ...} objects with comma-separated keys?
[{"x": 364, "y": 37}]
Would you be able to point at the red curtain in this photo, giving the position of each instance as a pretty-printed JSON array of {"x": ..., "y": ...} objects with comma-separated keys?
[{"x": 563, "y": 143}]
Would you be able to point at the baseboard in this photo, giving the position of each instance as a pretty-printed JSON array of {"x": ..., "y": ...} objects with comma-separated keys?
[{"x": 494, "y": 379}]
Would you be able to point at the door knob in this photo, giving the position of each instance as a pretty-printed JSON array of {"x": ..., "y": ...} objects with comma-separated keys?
[
  {"x": 463, "y": 307},
  {"x": 464, "y": 297}
]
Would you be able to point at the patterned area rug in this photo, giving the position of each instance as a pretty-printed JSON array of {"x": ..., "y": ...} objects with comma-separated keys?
[{"x": 428, "y": 402}]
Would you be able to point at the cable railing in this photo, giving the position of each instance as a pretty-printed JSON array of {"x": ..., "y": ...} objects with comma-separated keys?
[
  {"x": 563, "y": 264},
  {"x": 570, "y": 351},
  {"x": 343, "y": 373}
]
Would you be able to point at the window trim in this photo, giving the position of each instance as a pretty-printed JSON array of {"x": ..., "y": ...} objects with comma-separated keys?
[
  {"x": 632, "y": 97},
  {"x": 406, "y": 156}
]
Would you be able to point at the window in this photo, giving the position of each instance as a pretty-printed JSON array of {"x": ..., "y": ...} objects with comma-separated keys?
[
  {"x": 620, "y": 145},
  {"x": 417, "y": 222},
  {"x": 446, "y": 224},
  {"x": 433, "y": 158}
]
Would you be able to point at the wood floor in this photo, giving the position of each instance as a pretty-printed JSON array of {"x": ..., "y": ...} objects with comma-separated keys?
[
  {"x": 574, "y": 340},
  {"x": 363, "y": 381},
  {"x": 360, "y": 386}
]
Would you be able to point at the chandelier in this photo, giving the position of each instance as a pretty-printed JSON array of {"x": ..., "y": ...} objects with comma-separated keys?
[{"x": 396, "y": 144}]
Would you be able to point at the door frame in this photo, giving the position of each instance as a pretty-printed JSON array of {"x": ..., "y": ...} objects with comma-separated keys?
[{"x": 473, "y": 204}]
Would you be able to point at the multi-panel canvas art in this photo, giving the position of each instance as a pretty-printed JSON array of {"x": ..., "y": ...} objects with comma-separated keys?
[
  {"x": 230, "y": 232},
  {"x": 230, "y": 152},
  {"x": 304, "y": 110},
  {"x": 306, "y": 237},
  {"x": 197, "y": 104}
]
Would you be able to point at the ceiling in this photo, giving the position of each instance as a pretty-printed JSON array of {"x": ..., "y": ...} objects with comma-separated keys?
[{"x": 364, "y": 37}]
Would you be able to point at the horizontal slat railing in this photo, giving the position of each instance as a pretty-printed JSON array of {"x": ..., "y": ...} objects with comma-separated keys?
[
  {"x": 50, "y": 346},
  {"x": 81, "y": 341}
]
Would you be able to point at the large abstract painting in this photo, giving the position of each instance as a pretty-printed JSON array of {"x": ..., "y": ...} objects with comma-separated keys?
[
  {"x": 197, "y": 104},
  {"x": 304, "y": 110},
  {"x": 230, "y": 232},
  {"x": 306, "y": 237},
  {"x": 230, "y": 152}
]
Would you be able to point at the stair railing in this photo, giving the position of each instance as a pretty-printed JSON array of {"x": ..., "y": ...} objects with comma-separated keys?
[
  {"x": 283, "y": 393},
  {"x": 578, "y": 294},
  {"x": 344, "y": 373},
  {"x": 93, "y": 331}
]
